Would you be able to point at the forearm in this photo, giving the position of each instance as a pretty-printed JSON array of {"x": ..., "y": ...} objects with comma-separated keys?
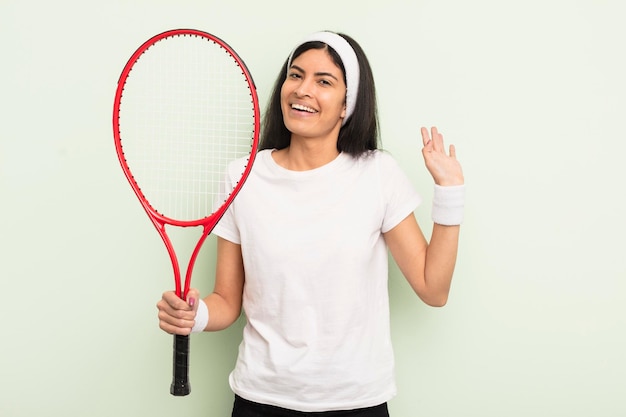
[
  {"x": 222, "y": 313},
  {"x": 439, "y": 266},
  {"x": 224, "y": 303},
  {"x": 447, "y": 214}
]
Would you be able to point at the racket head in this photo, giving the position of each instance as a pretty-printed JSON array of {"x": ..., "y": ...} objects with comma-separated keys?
[{"x": 185, "y": 107}]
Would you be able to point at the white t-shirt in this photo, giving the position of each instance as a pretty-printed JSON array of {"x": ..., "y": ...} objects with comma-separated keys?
[{"x": 317, "y": 336}]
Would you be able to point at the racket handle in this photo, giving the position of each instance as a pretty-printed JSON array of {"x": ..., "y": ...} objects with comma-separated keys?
[{"x": 180, "y": 380}]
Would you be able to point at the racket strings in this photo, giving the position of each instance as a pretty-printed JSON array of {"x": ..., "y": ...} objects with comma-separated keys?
[{"x": 187, "y": 112}]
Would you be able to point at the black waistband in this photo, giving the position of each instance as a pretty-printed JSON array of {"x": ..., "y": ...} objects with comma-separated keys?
[{"x": 247, "y": 408}]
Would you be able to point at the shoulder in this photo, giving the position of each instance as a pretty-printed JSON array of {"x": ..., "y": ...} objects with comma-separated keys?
[
  {"x": 379, "y": 158},
  {"x": 237, "y": 166}
]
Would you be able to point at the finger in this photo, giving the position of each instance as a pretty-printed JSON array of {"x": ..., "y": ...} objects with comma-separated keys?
[
  {"x": 171, "y": 314},
  {"x": 181, "y": 318},
  {"x": 452, "y": 151},
  {"x": 192, "y": 298},
  {"x": 176, "y": 328},
  {"x": 174, "y": 301},
  {"x": 176, "y": 321},
  {"x": 172, "y": 309},
  {"x": 437, "y": 139},
  {"x": 425, "y": 136}
]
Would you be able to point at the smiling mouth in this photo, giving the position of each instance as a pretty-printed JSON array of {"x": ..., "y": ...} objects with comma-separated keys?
[{"x": 300, "y": 107}]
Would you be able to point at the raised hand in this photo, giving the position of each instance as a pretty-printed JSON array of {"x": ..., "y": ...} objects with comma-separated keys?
[{"x": 445, "y": 169}]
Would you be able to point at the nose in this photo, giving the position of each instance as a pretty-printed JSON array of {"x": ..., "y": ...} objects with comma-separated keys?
[{"x": 304, "y": 88}]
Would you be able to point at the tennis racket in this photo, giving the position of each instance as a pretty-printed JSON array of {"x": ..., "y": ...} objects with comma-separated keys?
[{"x": 185, "y": 106}]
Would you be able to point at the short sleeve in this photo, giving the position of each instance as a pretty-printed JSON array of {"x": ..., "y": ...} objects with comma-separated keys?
[
  {"x": 227, "y": 228},
  {"x": 399, "y": 196}
]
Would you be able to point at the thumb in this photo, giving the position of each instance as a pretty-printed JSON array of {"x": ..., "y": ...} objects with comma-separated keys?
[{"x": 192, "y": 298}]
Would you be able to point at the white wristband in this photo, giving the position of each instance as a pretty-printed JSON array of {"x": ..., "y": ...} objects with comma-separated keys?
[
  {"x": 202, "y": 317},
  {"x": 448, "y": 205}
]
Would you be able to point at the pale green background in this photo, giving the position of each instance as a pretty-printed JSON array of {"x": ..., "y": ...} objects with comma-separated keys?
[{"x": 531, "y": 92}]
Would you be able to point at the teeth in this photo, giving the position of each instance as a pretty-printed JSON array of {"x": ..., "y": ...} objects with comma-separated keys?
[{"x": 303, "y": 108}]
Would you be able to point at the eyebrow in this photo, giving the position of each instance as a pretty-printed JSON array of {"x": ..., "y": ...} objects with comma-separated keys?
[{"x": 318, "y": 74}]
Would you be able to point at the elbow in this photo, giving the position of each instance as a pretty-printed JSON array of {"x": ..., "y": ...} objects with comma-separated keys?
[
  {"x": 435, "y": 291},
  {"x": 437, "y": 302},
  {"x": 434, "y": 300},
  {"x": 432, "y": 290}
]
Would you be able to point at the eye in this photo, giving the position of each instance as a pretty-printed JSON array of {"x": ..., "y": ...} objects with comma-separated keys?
[{"x": 294, "y": 75}]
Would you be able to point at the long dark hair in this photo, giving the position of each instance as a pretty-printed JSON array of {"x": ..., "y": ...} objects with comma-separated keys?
[{"x": 360, "y": 132}]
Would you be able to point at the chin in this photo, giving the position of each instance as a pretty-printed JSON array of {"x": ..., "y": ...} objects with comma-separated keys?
[{"x": 296, "y": 126}]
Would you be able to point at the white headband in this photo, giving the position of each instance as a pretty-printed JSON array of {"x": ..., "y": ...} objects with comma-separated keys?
[{"x": 349, "y": 60}]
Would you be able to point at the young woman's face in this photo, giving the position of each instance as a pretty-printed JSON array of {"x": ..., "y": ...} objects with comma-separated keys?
[{"x": 313, "y": 96}]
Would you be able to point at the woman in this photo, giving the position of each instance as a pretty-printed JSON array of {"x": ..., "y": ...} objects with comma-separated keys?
[{"x": 303, "y": 249}]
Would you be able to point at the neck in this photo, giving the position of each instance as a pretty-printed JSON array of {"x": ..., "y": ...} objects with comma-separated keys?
[{"x": 304, "y": 155}]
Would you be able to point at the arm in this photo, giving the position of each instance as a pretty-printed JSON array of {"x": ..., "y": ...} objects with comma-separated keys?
[
  {"x": 429, "y": 267},
  {"x": 224, "y": 303}
]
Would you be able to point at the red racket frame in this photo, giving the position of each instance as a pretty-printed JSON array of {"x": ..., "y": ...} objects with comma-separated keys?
[
  {"x": 180, "y": 381},
  {"x": 159, "y": 220}
]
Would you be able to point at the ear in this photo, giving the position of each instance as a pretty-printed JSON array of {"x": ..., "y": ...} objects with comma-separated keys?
[{"x": 343, "y": 112}]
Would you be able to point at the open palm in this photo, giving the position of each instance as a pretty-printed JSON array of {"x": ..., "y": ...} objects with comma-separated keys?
[{"x": 444, "y": 168}]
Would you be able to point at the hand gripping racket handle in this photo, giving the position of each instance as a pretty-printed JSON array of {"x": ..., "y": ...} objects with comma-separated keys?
[{"x": 180, "y": 379}]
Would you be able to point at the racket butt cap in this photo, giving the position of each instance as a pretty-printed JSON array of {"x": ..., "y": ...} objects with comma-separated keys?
[{"x": 180, "y": 388}]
